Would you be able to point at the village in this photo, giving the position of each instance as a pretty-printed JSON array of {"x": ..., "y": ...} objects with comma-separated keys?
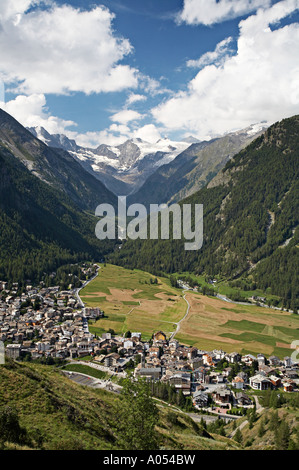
[{"x": 49, "y": 323}]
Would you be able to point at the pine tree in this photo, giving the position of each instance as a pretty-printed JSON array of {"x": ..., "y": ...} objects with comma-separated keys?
[
  {"x": 282, "y": 436},
  {"x": 238, "y": 436},
  {"x": 138, "y": 416}
]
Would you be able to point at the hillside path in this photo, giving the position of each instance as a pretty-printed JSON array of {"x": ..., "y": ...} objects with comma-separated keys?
[{"x": 178, "y": 325}]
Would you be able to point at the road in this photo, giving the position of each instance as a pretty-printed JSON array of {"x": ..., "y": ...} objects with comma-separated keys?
[
  {"x": 76, "y": 293},
  {"x": 260, "y": 304},
  {"x": 178, "y": 325}
]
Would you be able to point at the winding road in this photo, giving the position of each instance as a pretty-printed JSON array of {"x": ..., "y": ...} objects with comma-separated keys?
[
  {"x": 76, "y": 293},
  {"x": 178, "y": 325}
]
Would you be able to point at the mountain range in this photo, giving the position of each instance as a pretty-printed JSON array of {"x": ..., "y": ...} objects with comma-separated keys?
[
  {"x": 54, "y": 166},
  {"x": 122, "y": 168},
  {"x": 193, "y": 168},
  {"x": 251, "y": 218},
  {"x": 160, "y": 172},
  {"x": 247, "y": 182}
]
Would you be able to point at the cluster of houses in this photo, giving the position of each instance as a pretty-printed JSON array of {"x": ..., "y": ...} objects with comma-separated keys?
[
  {"x": 48, "y": 322},
  {"x": 195, "y": 373},
  {"x": 44, "y": 322}
]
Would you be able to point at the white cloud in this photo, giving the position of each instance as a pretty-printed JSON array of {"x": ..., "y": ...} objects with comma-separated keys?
[
  {"x": 260, "y": 82},
  {"x": 149, "y": 133},
  {"x": 216, "y": 57},
  {"x": 213, "y": 11},
  {"x": 116, "y": 135},
  {"x": 31, "y": 111},
  {"x": 62, "y": 49},
  {"x": 125, "y": 116},
  {"x": 135, "y": 98},
  {"x": 94, "y": 139},
  {"x": 11, "y": 9}
]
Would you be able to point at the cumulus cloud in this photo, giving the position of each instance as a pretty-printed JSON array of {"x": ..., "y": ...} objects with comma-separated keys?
[
  {"x": 215, "y": 57},
  {"x": 213, "y": 11},
  {"x": 116, "y": 135},
  {"x": 31, "y": 111},
  {"x": 135, "y": 98},
  {"x": 125, "y": 116},
  {"x": 149, "y": 133},
  {"x": 11, "y": 9},
  {"x": 61, "y": 49},
  {"x": 260, "y": 82}
]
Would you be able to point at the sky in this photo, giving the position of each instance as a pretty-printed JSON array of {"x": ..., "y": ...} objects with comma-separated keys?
[{"x": 105, "y": 71}]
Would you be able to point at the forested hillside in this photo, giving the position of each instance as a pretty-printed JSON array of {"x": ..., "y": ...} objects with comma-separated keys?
[
  {"x": 41, "y": 227},
  {"x": 251, "y": 211},
  {"x": 192, "y": 169},
  {"x": 54, "y": 166}
]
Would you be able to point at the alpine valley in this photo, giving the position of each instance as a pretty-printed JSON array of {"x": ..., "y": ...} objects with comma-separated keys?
[
  {"x": 65, "y": 384},
  {"x": 247, "y": 182}
]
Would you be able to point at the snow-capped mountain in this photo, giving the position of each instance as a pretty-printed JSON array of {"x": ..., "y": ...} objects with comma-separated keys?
[
  {"x": 123, "y": 168},
  {"x": 53, "y": 140},
  {"x": 126, "y": 169}
]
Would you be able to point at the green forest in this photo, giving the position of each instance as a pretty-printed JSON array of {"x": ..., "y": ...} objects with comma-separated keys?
[{"x": 250, "y": 221}]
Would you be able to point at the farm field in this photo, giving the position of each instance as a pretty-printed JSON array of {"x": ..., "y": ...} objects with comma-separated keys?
[
  {"x": 133, "y": 300},
  {"x": 215, "y": 324},
  {"x": 138, "y": 301}
]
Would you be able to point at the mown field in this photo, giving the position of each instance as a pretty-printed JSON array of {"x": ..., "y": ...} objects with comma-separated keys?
[
  {"x": 216, "y": 324},
  {"x": 137, "y": 301}
]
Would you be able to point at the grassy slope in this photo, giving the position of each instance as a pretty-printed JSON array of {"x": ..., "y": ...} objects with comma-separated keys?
[
  {"x": 59, "y": 414},
  {"x": 252, "y": 437}
]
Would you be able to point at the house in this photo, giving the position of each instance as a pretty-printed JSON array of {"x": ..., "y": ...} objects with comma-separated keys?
[
  {"x": 238, "y": 383},
  {"x": 222, "y": 396},
  {"x": 274, "y": 361},
  {"x": 181, "y": 381},
  {"x": 261, "y": 360},
  {"x": 128, "y": 344},
  {"x": 200, "y": 399},
  {"x": 266, "y": 369},
  {"x": 260, "y": 382},
  {"x": 136, "y": 336},
  {"x": 149, "y": 373},
  {"x": 248, "y": 359},
  {"x": 243, "y": 400},
  {"x": 13, "y": 351},
  {"x": 233, "y": 357},
  {"x": 111, "y": 360},
  {"x": 192, "y": 353},
  {"x": 276, "y": 381},
  {"x": 287, "y": 361},
  {"x": 195, "y": 363},
  {"x": 173, "y": 345},
  {"x": 209, "y": 359},
  {"x": 288, "y": 386},
  {"x": 219, "y": 354},
  {"x": 154, "y": 351},
  {"x": 199, "y": 374}
]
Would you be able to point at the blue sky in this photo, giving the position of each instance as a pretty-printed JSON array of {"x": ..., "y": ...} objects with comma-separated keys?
[{"x": 105, "y": 71}]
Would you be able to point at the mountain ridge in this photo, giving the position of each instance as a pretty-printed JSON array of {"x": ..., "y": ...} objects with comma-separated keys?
[
  {"x": 251, "y": 221},
  {"x": 121, "y": 168},
  {"x": 56, "y": 167},
  {"x": 193, "y": 168}
]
